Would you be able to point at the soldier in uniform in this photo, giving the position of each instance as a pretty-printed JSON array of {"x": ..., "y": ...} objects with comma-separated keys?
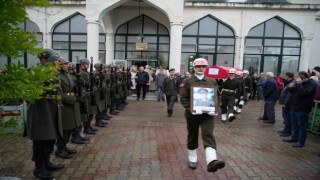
[
  {"x": 171, "y": 90},
  {"x": 242, "y": 92},
  {"x": 79, "y": 90},
  {"x": 70, "y": 112},
  {"x": 87, "y": 128},
  {"x": 248, "y": 85},
  {"x": 100, "y": 98},
  {"x": 43, "y": 124},
  {"x": 199, "y": 119},
  {"x": 204, "y": 100},
  {"x": 120, "y": 83},
  {"x": 229, "y": 95},
  {"x": 107, "y": 91},
  {"x": 114, "y": 89}
]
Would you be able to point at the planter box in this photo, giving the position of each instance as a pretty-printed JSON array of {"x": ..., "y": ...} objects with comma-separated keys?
[{"x": 12, "y": 118}]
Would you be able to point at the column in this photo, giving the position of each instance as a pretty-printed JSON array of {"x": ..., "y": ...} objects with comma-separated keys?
[
  {"x": 305, "y": 53},
  {"x": 47, "y": 40},
  {"x": 175, "y": 45},
  {"x": 109, "y": 48},
  {"x": 93, "y": 40}
]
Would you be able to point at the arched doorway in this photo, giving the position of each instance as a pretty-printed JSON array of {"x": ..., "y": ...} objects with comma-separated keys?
[{"x": 147, "y": 32}]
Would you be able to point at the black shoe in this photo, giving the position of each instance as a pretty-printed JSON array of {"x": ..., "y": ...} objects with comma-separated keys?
[
  {"x": 100, "y": 124},
  {"x": 93, "y": 129},
  {"x": 264, "y": 119},
  {"x": 109, "y": 116},
  {"x": 192, "y": 165},
  {"x": 63, "y": 154},
  {"x": 77, "y": 141},
  {"x": 103, "y": 122},
  {"x": 70, "y": 151},
  {"x": 289, "y": 140},
  {"x": 105, "y": 117},
  {"x": 284, "y": 134},
  {"x": 114, "y": 113},
  {"x": 138, "y": 99},
  {"x": 53, "y": 166},
  {"x": 169, "y": 115},
  {"x": 88, "y": 131},
  {"x": 280, "y": 132},
  {"x": 231, "y": 118},
  {"x": 143, "y": 99},
  {"x": 268, "y": 122},
  {"x": 298, "y": 144},
  {"x": 42, "y": 174},
  {"x": 213, "y": 166},
  {"x": 83, "y": 138}
]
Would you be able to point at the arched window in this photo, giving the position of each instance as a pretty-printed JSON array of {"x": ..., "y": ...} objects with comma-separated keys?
[
  {"x": 272, "y": 46},
  {"x": 69, "y": 39},
  {"x": 27, "y": 59},
  {"x": 208, "y": 38},
  {"x": 142, "y": 29}
]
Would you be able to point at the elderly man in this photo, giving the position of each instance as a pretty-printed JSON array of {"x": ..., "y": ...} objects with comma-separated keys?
[{"x": 270, "y": 94}]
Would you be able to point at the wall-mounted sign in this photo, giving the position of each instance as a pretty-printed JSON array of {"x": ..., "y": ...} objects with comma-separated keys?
[{"x": 142, "y": 46}]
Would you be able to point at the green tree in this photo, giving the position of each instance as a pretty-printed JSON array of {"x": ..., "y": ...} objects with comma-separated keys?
[{"x": 14, "y": 40}]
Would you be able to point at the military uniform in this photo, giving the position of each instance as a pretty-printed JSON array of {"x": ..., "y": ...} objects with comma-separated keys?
[
  {"x": 205, "y": 121},
  {"x": 242, "y": 92},
  {"x": 44, "y": 125},
  {"x": 71, "y": 118},
  {"x": 229, "y": 93},
  {"x": 171, "y": 90},
  {"x": 248, "y": 87}
]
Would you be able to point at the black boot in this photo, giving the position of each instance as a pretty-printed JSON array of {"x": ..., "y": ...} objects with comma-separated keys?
[
  {"x": 41, "y": 172},
  {"x": 53, "y": 166},
  {"x": 63, "y": 154}
]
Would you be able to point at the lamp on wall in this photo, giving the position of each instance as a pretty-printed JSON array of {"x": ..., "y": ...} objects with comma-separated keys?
[{"x": 140, "y": 36}]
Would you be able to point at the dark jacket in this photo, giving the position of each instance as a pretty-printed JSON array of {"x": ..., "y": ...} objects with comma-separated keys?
[
  {"x": 71, "y": 109},
  {"x": 142, "y": 77},
  {"x": 301, "y": 96},
  {"x": 270, "y": 90},
  {"x": 171, "y": 86},
  {"x": 284, "y": 93}
]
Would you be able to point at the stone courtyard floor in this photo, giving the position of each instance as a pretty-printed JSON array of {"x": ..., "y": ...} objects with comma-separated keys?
[{"x": 143, "y": 143}]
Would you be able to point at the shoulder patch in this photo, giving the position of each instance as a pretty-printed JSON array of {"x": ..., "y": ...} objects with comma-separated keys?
[{"x": 182, "y": 85}]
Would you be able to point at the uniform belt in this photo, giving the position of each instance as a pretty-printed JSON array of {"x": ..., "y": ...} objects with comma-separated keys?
[
  {"x": 49, "y": 96},
  {"x": 228, "y": 90},
  {"x": 71, "y": 94}
]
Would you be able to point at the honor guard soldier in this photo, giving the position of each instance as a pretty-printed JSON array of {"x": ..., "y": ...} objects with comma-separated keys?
[
  {"x": 74, "y": 70},
  {"x": 120, "y": 83},
  {"x": 70, "y": 112},
  {"x": 229, "y": 95},
  {"x": 171, "y": 90},
  {"x": 114, "y": 90},
  {"x": 199, "y": 119},
  {"x": 43, "y": 124},
  {"x": 248, "y": 85},
  {"x": 107, "y": 77},
  {"x": 100, "y": 97},
  {"x": 84, "y": 65},
  {"x": 242, "y": 92}
]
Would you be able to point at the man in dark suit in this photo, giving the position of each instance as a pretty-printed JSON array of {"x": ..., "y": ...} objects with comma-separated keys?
[
  {"x": 270, "y": 94},
  {"x": 142, "y": 78}
]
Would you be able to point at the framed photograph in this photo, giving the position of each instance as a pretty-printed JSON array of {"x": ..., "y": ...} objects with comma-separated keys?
[{"x": 204, "y": 98}]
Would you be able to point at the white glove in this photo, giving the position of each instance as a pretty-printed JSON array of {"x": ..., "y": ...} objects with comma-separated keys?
[
  {"x": 248, "y": 94},
  {"x": 211, "y": 113},
  {"x": 241, "y": 97},
  {"x": 198, "y": 112},
  {"x": 236, "y": 100}
]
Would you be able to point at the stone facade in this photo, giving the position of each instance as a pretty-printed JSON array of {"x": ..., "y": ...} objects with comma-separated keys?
[{"x": 177, "y": 15}]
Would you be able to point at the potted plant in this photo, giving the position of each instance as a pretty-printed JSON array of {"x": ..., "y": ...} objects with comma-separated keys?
[{"x": 20, "y": 86}]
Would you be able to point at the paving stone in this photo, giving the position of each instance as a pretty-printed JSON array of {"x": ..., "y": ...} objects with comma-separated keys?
[{"x": 142, "y": 143}]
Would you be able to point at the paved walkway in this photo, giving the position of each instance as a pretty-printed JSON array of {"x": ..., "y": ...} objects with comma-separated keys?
[{"x": 142, "y": 143}]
